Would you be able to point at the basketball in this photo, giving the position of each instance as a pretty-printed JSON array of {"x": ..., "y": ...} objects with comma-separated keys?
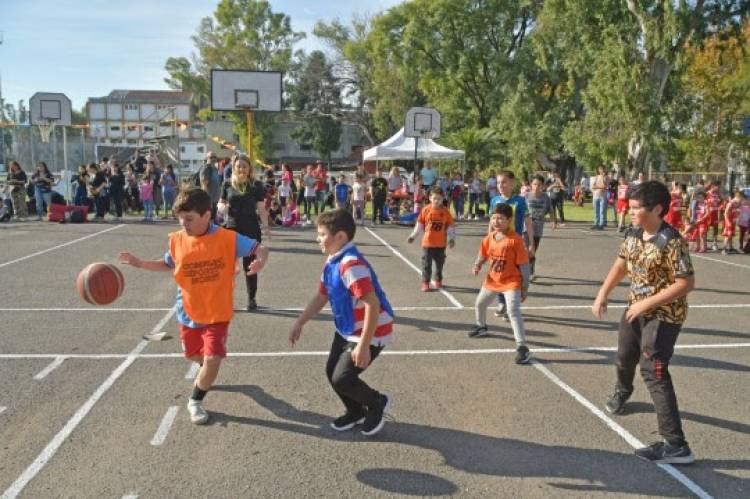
[{"x": 100, "y": 283}]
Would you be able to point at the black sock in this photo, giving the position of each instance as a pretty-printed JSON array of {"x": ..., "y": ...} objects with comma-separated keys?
[{"x": 198, "y": 394}]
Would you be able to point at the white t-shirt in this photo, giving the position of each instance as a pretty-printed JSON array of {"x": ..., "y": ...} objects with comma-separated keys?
[
  {"x": 476, "y": 186},
  {"x": 492, "y": 185},
  {"x": 285, "y": 191},
  {"x": 599, "y": 186},
  {"x": 358, "y": 192}
]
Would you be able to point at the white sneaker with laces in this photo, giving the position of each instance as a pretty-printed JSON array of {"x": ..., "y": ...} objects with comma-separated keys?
[{"x": 198, "y": 414}]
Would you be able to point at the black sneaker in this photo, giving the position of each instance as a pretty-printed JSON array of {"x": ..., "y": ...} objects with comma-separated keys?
[
  {"x": 478, "y": 331},
  {"x": 666, "y": 453},
  {"x": 523, "y": 355},
  {"x": 616, "y": 403},
  {"x": 251, "y": 305},
  {"x": 347, "y": 422},
  {"x": 375, "y": 418}
]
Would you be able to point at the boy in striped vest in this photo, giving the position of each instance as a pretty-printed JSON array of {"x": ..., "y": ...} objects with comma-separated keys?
[{"x": 363, "y": 319}]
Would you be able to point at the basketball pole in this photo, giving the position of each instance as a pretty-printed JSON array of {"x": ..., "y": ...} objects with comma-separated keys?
[{"x": 250, "y": 132}]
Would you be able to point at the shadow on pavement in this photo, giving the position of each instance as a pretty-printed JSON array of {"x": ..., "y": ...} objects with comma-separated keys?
[{"x": 605, "y": 471}]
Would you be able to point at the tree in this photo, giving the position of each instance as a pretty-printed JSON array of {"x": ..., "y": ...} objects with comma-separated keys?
[
  {"x": 717, "y": 86},
  {"x": 244, "y": 34},
  {"x": 316, "y": 96}
]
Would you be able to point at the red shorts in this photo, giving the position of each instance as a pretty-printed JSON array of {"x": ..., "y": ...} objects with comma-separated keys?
[
  {"x": 713, "y": 219},
  {"x": 701, "y": 229},
  {"x": 622, "y": 206},
  {"x": 728, "y": 230},
  {"x": 209, "y": 340}
]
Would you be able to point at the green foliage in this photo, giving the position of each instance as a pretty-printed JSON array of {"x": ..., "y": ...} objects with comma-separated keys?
[{"x": 244, "y": 34}]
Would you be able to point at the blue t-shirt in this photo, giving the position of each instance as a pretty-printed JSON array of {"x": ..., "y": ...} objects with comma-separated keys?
[
  {"x": 520, "y": 209},
  {"x": 342, "y": 192},
  {"x": 244, "y": 247},
  {"x": 429, "y": 175}
]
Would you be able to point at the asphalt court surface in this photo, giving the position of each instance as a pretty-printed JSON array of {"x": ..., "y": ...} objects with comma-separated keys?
[{"x": 87, "y": 407}]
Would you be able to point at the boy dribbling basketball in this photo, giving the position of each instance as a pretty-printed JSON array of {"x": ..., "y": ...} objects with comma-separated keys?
[
  {"x": 202, "y": 258},
  {"x": 439, "y": 231}
]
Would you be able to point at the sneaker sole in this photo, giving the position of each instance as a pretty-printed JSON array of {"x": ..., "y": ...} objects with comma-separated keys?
[
  {"x": 479, "y": 335},
  {"x": 199, "y": 421},
  {"x": 615, "y": 411},
  {"x": 670, "y": 460},
  {"x": 382, "y": 420},
  {"x": 349, "y": 426},
  {"x": 525, "y": 360}
]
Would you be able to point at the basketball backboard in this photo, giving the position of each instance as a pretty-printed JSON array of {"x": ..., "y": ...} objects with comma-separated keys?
[
  {"x": 50, "y": 108},
  {"x": 238, "y": 90},
  {"x": 422, "y": 122}
]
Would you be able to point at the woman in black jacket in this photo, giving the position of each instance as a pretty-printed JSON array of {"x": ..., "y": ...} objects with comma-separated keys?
[{"x": 243, "y": 200}]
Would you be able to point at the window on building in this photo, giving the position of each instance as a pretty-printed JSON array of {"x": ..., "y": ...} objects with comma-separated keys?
[
  {"x": 279, "y": 146},
  {"x": 200, "y": 149},
  {"x": 131, "y": 141},
  {"x": 182, "y": 149},
  {"x": 305, "y": 147},
  {"x": 148, "y": 128},
  {"x": 114, "y": 128}
]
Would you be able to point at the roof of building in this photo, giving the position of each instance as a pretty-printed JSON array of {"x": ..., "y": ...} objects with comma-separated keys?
[{"x": 150, "y": 96}]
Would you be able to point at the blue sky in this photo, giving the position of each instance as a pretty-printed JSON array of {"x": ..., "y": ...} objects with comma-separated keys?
[{"x": 86, "y": 48}]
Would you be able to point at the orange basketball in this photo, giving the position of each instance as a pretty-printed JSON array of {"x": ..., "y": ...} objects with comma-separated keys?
[{"x": 100, "y": 283}]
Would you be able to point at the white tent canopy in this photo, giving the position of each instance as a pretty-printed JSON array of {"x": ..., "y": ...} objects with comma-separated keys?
[{"x": 400, "y": 147}]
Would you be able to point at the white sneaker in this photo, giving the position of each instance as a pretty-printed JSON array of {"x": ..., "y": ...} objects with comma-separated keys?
[{"x": 198, "y": 414}]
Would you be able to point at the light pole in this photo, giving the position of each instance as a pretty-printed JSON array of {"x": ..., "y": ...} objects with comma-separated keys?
[{"x": 2, "y": 118}]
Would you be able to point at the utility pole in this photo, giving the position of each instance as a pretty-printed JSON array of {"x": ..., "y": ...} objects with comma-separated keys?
[{"x": 2, "y": 118}]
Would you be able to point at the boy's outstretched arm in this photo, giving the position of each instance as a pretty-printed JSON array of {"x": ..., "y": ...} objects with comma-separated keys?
[
  {"x": 130, "y": 259},
  {"x": 311, "y": 310},
  {"x": 530, "y": 232},
  {"x": 616, "y": 274},
  {"x": 418, "y": 229},
  {"x": 261, "y": 257}
]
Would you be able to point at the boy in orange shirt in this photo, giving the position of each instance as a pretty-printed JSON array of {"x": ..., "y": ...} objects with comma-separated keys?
[
  {"x": 439, "y": 231},
  {"x": 508, "y": 274},
  {"x": 202, "y": 257}
]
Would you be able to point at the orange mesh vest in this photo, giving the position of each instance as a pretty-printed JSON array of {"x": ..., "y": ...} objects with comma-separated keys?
[{"x": 204, "y": 270}]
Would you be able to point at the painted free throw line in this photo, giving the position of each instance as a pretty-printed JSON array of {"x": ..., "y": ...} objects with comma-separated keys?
[
  {"x": 456, "y": 303},
  {"x": 314, "y": 353},
  {"x": 54, "y": 445},
  {"x": 61, "y": 245},
  {"x": 622, "y": 432}
]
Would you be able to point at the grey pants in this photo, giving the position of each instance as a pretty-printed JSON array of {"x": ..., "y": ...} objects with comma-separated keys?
[
  {"x": 19, "y": 203},
  {"x": 513, "y": 304}
]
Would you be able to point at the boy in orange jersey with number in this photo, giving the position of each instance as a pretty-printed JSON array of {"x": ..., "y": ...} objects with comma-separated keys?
[
  {"x": 202, "y": 257},
  {"x": 508, "y": 275},
  {"x": 437, "y": 223}
]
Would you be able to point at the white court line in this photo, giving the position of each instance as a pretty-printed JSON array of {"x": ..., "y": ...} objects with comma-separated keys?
[
  {"x": 445, "y": 293},
  {"x": 166, "y": 423},
  {"x": 60, "y": 245},
  {"x": 702, "y": 257},
  {"x": 50, "y": 367},
  {"x": 130, "y": 496},
  {"x": 290, "y": 353},
  {"x": 625, "y": 434},
  {"x": 193, "y": 371},
  {"x": 52, "y": 447},
  {"x": 397, "y": 309},
  {"x": 2, "y": 409}
]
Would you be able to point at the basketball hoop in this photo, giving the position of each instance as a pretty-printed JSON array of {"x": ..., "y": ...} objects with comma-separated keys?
[{"x": 45, "y": 130}]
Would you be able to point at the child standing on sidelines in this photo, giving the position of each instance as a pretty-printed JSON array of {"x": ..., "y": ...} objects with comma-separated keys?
[
  {"x": 713, "y": 202},
  {"x": 743, "y": 220},
  {"x": 656, "y": 260},
  {"x": 674, "y": 215},
  {"x": 342, "y": 193},
  {"x": 731, "y": 214},
  {"x": 286, "y": 195},
  {"x": 508, "y": 274},
  {"x": 358, "y": 199},
  {"x": 700, "y": 218},
  {"x": 439, "y": 231},
  {"x": 201, "y": 257},
  {"x": 539, "y": 206},
  {"x": 147, "y": 198},
  {"x": 363, "y": 319},
  {"x": 622, "y": 202}
]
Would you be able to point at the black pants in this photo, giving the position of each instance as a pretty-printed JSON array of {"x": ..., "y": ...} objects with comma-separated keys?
[
  {"x": 251, "y": 281},
  {"x": 343, "y": 375},
  {"x": 117, "y": 199},
  {"x": 532, "y": 260},
  {"x": 377, "y": 209},
  {"x": 651, "y": 342},
  {"x": 428, "y": 255},
  {"x": 557, "y": 204},
  {"x": 101, "y": 203}
]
